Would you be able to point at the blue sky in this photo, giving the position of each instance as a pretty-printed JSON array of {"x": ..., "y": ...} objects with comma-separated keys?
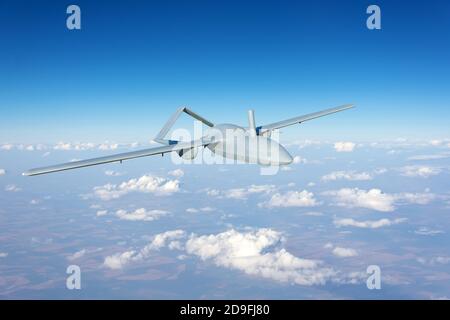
[
  {"x": 131, "y": 65},
  {"x": 368, "y": 186}
]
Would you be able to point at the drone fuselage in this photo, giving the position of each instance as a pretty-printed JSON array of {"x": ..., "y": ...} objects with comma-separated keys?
[{"x": 241, "y": 144}]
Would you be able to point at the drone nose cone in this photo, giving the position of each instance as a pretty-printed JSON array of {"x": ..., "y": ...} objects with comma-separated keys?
[{"x": 285, "y": 157}]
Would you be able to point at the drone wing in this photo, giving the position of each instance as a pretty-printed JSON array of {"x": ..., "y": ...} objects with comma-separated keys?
[
  {"x": 300, "y": 119},
  {"x": 118, "y": 157}
]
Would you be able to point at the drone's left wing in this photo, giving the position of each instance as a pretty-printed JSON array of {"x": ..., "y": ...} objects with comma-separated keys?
[
  {"x": 118, "y": 157},
  {"x": 300, "y": 119}
]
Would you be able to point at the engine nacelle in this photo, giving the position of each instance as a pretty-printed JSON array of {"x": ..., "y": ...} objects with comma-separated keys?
[{"x": 189, "y": 153}]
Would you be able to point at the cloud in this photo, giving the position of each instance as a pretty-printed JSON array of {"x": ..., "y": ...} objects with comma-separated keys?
[
  {"x": 3, "y": 254},
  {"x": 298, "y": 159},
  {"x": 439, "y": 260},
  {"x": 77, "y": 255},
  {"x": 204, "y": 209},
  {"x": 347, "y": 175},
  {"x": 178, "y": 173},
  {"x": 2, "y": 172},
  {"x": 344, "y": 252},
  {"x": 344, "y": 146},
  {"x": 113, "y": 173},
  {"x": 291, "y": 199},
  {"x": 213, "y": 192},
  {"x": 67, "y": 146},
  {"x": 415, "y": 198},
  {"x": 241, "y": 193},
  {"x": 12, "y": 188},
  {"x": 424, "y": 157},
  {"x": 141, "y": 214},
  {"x": 419, "y": 171},
  {"x": 425, "y": 231},
  {"x": 168, "y": 238},
  {"x": 328, "y": 245},
  {"x": 145, "y": 184},
  {"x": 163, "y": 239},
  {"x": 436, "y": 142},
  {"x": 81, "y": 146},
  {"x": 313, "y": 214},
  {"x": 119, "y": 260},
  {"x": 6, "y": 147},
  {"x": 305, "y": 143},
  {"x": 101, "y": 213},
  {"x": 237, "y": 193},
  {"x": 370, "y": 224},
  {"x": 108, "y": 146},
  {"x": 255, "y": 254},
  {"x": 373, "y": 199}
]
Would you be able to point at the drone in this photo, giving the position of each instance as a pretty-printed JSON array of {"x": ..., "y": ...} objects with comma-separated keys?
[{"x": 250, "y": 144}]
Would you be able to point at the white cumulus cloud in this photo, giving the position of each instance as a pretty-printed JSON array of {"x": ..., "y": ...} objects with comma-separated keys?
[
  {"x": 2, "y": 172},
  {"x": 12, "y": 188},
  {"x": 344, "y": 252},
  {"x": 6, "y": 146},
  {"x": 425, "y": 231},
  {"x": 373, "y": 199},
  {"x": 77, "y": 255},
  {"x": 298, "y": 159},
  {"x": 344, "y": 146},
  {"x": 101, "y": 213},
  {"x": 253, "y": 253},
  {"x": 256, "y": 252},
  {"x": 113, "y": 173},
  {"x": 242, "y": 193},
  {"x": 370, "y": 224},
  {"x": 145, "y": 184},
  {"x": 419, "y": 171},
  {"x": 291, "y": 199},
  {"x": 203, "y": 209},
  {"x": 108, "y": 146},
  {"x": 178, "y": 173},
  {"x": 347, "y": 175},
  {"x": 141, "y": 214},
  {"x": 78, "y": 146},
  {"x": 119, "y": 260},
  {"x": 168, "y": 238}
]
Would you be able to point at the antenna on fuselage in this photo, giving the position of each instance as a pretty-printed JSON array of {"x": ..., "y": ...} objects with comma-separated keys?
[{"x": 251, "y": 123}]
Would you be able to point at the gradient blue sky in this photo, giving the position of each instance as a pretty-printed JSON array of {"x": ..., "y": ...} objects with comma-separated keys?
[{"x": 134, "y": 63}]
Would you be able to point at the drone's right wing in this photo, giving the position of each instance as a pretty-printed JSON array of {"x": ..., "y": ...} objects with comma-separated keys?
[
  {"x": 300, "y": 119},
  {"x": 118, "y": 157}
]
